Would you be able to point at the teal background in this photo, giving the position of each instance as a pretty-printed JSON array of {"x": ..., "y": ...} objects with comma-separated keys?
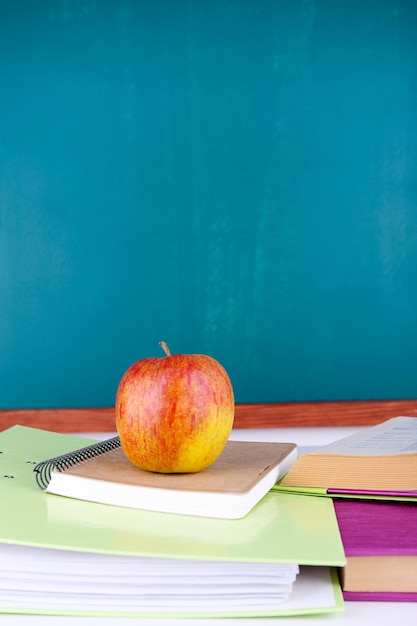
[{"x": 237, "y": 178}]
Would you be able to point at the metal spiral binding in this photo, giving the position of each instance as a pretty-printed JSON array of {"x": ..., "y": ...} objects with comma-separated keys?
[{"x": 44, "y": 469}]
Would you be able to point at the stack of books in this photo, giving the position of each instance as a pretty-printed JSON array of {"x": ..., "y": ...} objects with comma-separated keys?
[
  {"x": 372, "y": 480},
  {"x": 81, "y": 535}
]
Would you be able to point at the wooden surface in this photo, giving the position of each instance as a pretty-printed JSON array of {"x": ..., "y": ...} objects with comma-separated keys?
[{"x": 274, "y": 415}]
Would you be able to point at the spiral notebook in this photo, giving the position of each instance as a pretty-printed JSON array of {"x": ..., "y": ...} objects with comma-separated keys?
[
  {"x": 229, "y": 488},
  {"x": 62, "y": 556}
]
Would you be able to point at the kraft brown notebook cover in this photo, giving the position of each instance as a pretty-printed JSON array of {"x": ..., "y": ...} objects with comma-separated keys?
[{"x": 229, "y": 488}]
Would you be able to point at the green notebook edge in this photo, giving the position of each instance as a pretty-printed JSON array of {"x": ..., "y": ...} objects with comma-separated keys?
[{"x": 322, "y": 492}]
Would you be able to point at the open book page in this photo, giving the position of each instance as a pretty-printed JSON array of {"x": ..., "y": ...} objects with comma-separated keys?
[{"x": 395, "y": 436}]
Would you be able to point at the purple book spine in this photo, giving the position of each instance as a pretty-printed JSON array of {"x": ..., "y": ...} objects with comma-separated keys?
[
  {"x": 366, "y": 492},
  {"x": 379, "y": 596},
  {"x": 372, "y": 528}
]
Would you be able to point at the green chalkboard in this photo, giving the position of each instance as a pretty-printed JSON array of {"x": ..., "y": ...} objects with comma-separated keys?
[{"x": 237, "y": 178}]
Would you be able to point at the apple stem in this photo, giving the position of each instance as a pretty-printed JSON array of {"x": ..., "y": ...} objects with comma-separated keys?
[{"x": 165, "y": 348}]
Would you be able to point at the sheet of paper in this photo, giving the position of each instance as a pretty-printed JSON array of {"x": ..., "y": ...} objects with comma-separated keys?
[{"x": 395, "y": 436}]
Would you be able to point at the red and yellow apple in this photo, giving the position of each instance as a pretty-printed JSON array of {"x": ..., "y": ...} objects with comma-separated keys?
[{"x": 174, "y": 413}]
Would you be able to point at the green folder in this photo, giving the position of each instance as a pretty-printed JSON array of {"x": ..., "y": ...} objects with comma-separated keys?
[
  {"x": 323, "y": 492},
  {"x": 282, "y": 528}
]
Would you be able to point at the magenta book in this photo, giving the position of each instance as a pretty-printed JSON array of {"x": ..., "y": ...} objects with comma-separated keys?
[
  {"x": 379, "y": 596},
  {"x": 375, "y": 527},
  {"x": 380, "y": 543},
  {"x": 375, "y": 492}
]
